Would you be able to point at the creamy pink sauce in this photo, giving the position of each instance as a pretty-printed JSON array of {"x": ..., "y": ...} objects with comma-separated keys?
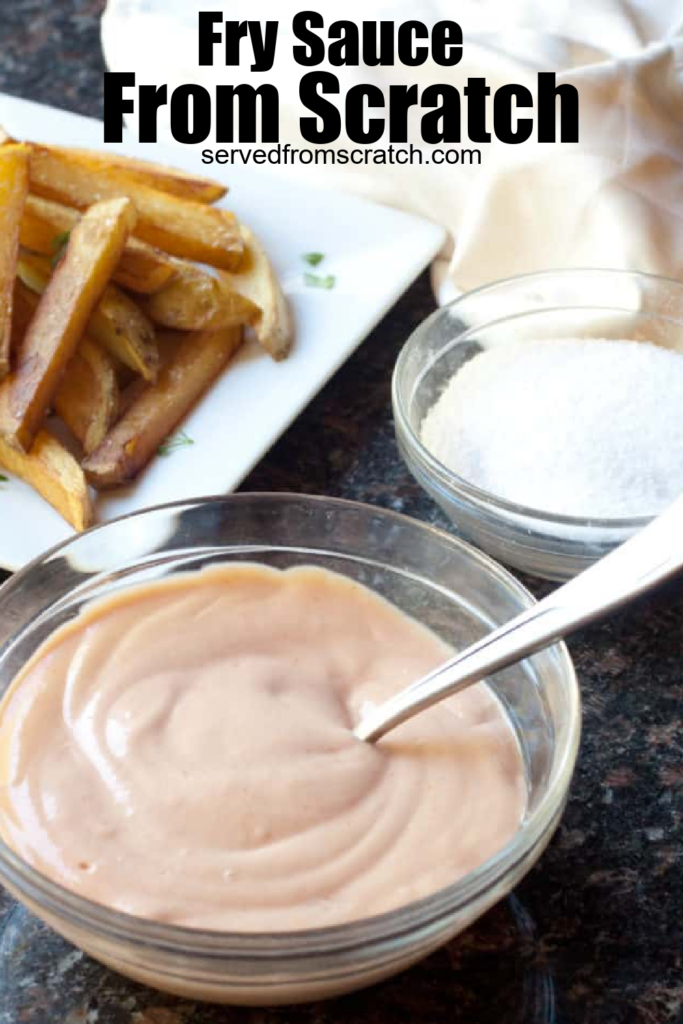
[{"x": 183, "y": 752}]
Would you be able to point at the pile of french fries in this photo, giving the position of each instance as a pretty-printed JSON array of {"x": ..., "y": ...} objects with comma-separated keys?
[{"x": 124, "y": 293}]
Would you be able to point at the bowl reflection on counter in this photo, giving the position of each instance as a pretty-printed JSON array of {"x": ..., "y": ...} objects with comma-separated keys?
[
  {"x": 439, "y": 580},
  {"x": 543, "y": 307}
]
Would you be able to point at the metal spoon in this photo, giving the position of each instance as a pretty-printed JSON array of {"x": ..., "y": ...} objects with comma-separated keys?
[{"x": 653, "y": 555}]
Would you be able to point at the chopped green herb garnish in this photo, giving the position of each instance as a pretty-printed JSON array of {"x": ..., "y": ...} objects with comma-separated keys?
[
  {"x": 313, "y": 258},
  {"x": 180, "y": 440},
  {"x": 4, "y": 479},
  {"x": 59, "y": 244},
  {"x": 315, "y": 281}
]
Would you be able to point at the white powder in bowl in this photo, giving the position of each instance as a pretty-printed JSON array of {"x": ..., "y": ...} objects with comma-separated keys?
[{"x": 589, "y": 428}]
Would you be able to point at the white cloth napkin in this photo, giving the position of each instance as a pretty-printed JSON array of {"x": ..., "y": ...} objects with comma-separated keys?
[{"x": 615, "y": 199}]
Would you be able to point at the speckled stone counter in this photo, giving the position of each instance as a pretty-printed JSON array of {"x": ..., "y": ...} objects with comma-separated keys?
[{"x": 595, "y": 933}]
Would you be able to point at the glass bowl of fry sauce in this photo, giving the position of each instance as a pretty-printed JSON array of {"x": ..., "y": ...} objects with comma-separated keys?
[{"x": 456, "y": 591}]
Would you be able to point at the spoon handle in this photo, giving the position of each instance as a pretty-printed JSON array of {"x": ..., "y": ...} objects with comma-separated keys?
[{"x": 648, "y": 558}]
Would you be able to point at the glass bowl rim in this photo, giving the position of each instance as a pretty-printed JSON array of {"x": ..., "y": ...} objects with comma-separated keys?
[
  {"x": 457, "y": 484},
  {"x": 313, "y": 943}
]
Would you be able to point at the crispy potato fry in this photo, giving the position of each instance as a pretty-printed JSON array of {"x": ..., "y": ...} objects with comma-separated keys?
[
  {"x": 258, "y": 282},
  {"x": 176, "y": 182},
  {"x": 130, "y": 388},
  {"x": 180, "y": 227},
  {"x": 88, "y": 397},
  {"x": 24, "y": 305},
  {"x": 120, "y": 326},
  {"x": 155, "y": 413},
  {"x": 199, "y": 300},
  {"x": 162, "y": 177},
  {"x": 130, "y": 394},
  {"x": 34, "y": 272},
  {"x": 117, "y": 323},
  {"x": 54, "y": 473},
  {"x": 43, "y": 223},
  {"x": 73, "y": 291},
  {"x": 13, "y": 192},
  {"x": 142, "y": 268}
]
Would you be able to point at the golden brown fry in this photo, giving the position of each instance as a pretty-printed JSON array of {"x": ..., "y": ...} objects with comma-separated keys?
[
  {"x": 141, "y": 268},
  {"x": 173, "y": 180},
  {"x": 180, "y": 227},
  {"x": 130, "y": 394},
  {"x": 88, "y": 397},
  {"x": 73, "y": 291},
  {"x": 155, "y": 413},
  {"x": 130, "y": 388},
  {"x": 24, "y": 305},
  {"x": 117, "y": 323},
  {"x": 257, "y": 281},
  {"x": 34, "y": 272},
  {"x": 176, "y": 182},
  {"x": 13, "y": 192},
  {"x": 199, "y": 300},
  {"x": 120, "y": 326},
  {"x": 54, "y": 473},
  {"x": 43, "y": 223}
]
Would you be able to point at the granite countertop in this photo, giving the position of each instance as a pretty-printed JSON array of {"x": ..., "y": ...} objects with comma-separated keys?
[{"x": 594, "y": 934}]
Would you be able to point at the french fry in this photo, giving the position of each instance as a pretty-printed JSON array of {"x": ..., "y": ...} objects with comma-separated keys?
[
  {"x": 130, "y": 394},
  {"x": 258, "y": 282},
  {"x": 173, "y": 180},
  {"x": 43, "y": 223},
  {"x": 155, "y": 413},
  {"x": 24, "y": 305},
  {"x": 130, "y": 389},
  {"x": 120, "y": 326},
  {"x": 88, "y": 397},
  {"x": 13, "y": 192},
  {"x": 199, "y": 300},
  {"x": 142, "y": 268},
  {"x": 54, "y": 473},
  {"x": 180, "y": 227},
  {"x": 117, "y": 323},
  {"x": 166, "y": 179},
  {"x": 34, "y": 272},
  {"x": 94, "y": 249}
]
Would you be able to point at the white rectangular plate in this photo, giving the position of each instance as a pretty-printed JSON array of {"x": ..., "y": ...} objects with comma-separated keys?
[{"x": 374, "y": 253}]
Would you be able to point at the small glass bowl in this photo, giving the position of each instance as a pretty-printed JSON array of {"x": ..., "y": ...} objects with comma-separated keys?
[
  {"x": 542, "y": 306},
  {"x": 438, "y": 579}
]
